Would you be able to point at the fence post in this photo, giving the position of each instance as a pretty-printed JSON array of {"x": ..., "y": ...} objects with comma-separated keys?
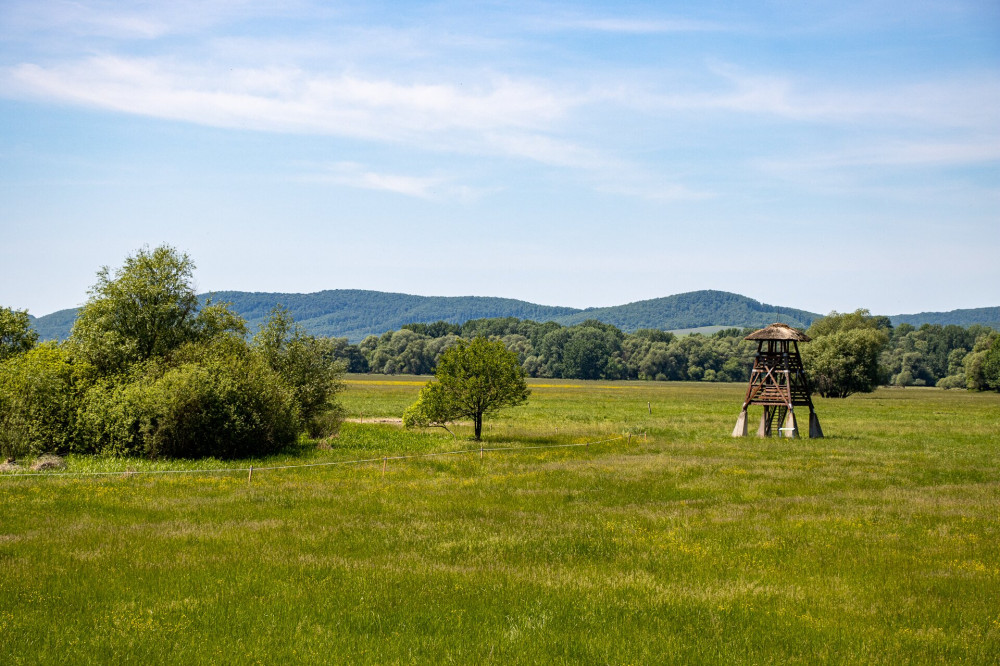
[
  {"x": 384, "y": 459},
  {"x": 250, "y": 475}
]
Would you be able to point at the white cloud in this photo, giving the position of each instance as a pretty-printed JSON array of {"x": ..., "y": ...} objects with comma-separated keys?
[
  {"x": 350, "y": 174},
  {"x": 432, "y": 188},
  {"x": 967, "y": 101},
  {"x": 287, "y": 99},
  {"x": 502, "y": 116}
]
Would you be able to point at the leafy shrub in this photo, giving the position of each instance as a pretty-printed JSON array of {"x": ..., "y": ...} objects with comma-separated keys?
[
  {"x": 39, "y": 397},
  {"x": 16, "y": 334},
  {"x": 220, "y": 399},
  {"x": 110, "y": 417},
  {"x": 952, "y": 382}
]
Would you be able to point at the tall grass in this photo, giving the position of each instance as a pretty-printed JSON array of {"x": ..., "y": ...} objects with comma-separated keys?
[{"x": 878, "y": 544}]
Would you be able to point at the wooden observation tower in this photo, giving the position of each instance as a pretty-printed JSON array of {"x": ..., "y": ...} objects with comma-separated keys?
[{"x": 778, "y": 382}]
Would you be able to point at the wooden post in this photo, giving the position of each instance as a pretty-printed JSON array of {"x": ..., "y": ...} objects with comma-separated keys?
[
  {"x": 649, "y": 406},
  {"x": 250, "y": 475},
  {"x": 480, "y": 451},
  {"x": 384, "y": 459},
  {"x": 630, "y": 438}
]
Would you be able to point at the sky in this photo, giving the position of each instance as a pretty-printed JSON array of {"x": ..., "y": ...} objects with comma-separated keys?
[{"x": 820, "y": 155}]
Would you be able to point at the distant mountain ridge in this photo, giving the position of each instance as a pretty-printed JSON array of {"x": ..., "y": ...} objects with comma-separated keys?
[
  {"x": 966, "y": 318},
  {"x": 356, "y": 313},
  {"x": 693, "y": 309}
]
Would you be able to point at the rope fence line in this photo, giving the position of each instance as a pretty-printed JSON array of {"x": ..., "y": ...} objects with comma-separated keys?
[{"x": 252, "y": 468}]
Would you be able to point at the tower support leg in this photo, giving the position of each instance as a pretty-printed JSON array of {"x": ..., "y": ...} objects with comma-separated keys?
[
  {"x": 814, "y": 430},
  {"x": 764, "y": 429},
  {"x": 790, "y": 427},
  {"x": 741, "y": 424}
]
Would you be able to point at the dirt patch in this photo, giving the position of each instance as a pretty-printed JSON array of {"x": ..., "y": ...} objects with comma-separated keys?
[{"x": 393, "y": 420}]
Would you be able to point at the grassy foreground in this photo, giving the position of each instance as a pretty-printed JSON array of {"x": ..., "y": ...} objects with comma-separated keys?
[{"x": 878, "y": 544}]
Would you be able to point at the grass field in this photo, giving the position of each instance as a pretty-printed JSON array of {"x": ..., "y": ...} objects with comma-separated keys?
[{"x": 878, "y": 544}]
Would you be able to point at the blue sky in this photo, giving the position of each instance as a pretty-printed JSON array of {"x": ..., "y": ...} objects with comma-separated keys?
[{"x": 815, "y": 155}]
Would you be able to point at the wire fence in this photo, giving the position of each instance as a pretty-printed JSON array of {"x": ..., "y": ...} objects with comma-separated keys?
[{"x": 251, "y": 469}]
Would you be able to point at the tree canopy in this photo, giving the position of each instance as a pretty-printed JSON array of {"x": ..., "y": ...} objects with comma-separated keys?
[
  {"x": 16, "y": 334},
  {"x": 143, "y": 310},
  {"x": 472, "y": 380},
  {"x": 843, "y": 357}
]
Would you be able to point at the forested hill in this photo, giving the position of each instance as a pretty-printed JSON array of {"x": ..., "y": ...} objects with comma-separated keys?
[
  {"x": 693, "y": 310},
  {"x": 55, "y": 326},
  {"x": 985, "y": 316},
  {"x": 355, "y": 313}
]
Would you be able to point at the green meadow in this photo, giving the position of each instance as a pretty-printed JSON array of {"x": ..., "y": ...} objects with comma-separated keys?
[{"x": 662, "y": 541}]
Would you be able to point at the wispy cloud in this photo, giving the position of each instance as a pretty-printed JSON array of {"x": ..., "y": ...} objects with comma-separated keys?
[
  {"x": 360, "y": 176},
  {"x": 287, "y": 99},
  {"x": 967, "y": 101},
  {"x": 351, "y": 174},
  {"x": 119, "y": 19},
  {"x": 928, "y": 153}
]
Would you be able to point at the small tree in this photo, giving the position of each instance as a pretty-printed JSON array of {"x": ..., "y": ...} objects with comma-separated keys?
[{"x": 472, "y": 380}]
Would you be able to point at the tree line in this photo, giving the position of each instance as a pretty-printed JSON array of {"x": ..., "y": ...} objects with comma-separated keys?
[{"x": 848, "y": 349}]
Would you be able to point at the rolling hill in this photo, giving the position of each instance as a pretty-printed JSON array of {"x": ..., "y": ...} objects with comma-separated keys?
[
  {"x": 693, "y": 310},
  {"x": 986, "y": 316},
  {"x": 356, "y": 313}
]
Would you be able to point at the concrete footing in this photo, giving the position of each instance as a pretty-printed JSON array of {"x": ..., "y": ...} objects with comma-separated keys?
[
  {"x": 790, "y": 428},
  {"x": 741, "y": 425}
]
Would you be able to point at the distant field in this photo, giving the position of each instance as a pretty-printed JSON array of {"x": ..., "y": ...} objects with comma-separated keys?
[
  {"x": 704, "y": 330},
  {"x": 878, "y": 544}
]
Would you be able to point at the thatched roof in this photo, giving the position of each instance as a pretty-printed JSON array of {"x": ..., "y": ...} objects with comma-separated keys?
[{"x": 778, "y": 332}]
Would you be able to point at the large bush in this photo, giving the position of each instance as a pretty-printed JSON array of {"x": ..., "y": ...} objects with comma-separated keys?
[
  {"x": 176, "y": 380},
  {"x": 39, "y": 397},
  {"x": 217, "y": 400}
]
